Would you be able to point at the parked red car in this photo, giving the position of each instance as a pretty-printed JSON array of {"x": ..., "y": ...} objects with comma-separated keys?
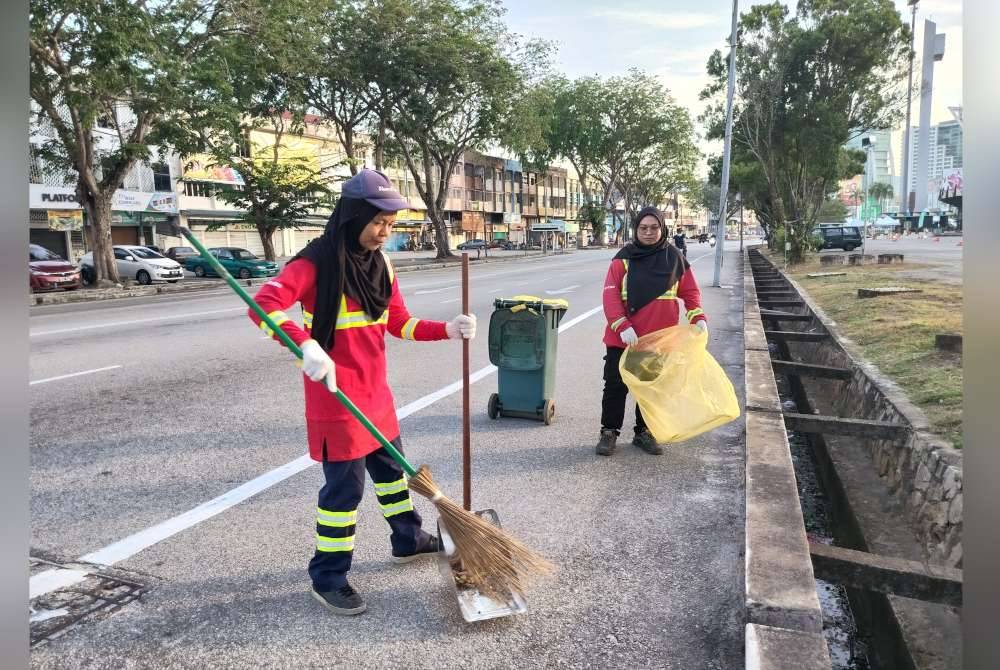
[{"x": 48, "y": 271}]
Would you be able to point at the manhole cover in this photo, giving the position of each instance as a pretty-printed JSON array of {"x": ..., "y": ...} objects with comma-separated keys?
[{"x": 104, "y": 591}]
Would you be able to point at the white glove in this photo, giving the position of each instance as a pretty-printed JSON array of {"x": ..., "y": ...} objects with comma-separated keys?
[
  {"x": 629, "y": 337},
  {"x": 702, "y": 325},
  {"x": 317, "y": 364},
  {"x": 462, "y": 326}
]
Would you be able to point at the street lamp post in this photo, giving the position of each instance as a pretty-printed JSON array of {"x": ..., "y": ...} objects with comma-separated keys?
[
  {"x": 868, "y": 143},
  {"x": 724, "y": 186},
  {"x": 739, "y": 201},
  {"x": 904, "y": 204}
]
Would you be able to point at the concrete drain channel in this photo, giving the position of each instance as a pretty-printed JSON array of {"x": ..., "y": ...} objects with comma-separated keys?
[
  {"x": 104, "y": 591},
  {"x": 883, "y": 604}
]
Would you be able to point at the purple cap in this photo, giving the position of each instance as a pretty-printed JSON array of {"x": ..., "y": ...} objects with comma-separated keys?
[{"x": 375, "y": 187}]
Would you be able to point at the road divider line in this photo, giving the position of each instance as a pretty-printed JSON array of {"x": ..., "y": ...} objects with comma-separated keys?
[
  {"x": 73, "y": 374},
  {"x": 51, "y": 580},
  {"x": 151, "y": 319},
  {"x": 568, "y": 289}
]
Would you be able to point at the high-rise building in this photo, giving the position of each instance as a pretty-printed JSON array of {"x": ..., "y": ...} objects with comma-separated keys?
[
  {"x": 944, "y": 159},
  {"x": 882, "y": 162}
]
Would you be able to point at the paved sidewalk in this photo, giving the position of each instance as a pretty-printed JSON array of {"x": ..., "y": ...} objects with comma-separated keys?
[{"x": 649, "y": 549}]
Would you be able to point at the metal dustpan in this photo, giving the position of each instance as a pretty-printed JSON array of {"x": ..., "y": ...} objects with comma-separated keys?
[{"x": 473, "y": 604}]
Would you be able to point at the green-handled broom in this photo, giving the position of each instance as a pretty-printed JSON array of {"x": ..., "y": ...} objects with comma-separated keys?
[{"x": 493, "y": 560}]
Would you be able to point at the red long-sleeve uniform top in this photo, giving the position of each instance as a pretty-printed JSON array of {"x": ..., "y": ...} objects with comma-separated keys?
[
  {"x": 358, "y": 353},
  {"x": 656, "y": 315}
]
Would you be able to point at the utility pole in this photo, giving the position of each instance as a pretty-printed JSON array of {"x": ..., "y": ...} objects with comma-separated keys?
[
  {"x": 739, "y": 199},
  {"x": 904, "y": 191},
  {"x": 721, "y": 234}
]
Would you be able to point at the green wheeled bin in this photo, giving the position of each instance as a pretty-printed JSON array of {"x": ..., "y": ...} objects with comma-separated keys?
[{"x": 524, "y": 332}]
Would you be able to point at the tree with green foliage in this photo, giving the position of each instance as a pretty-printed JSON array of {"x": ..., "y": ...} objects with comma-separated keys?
[
  {"x": 882, "y": 192},
  {"x": 279, "y": 190},
  {"x": 625, "y": 132},
  {"x": 444, "y": 75},
  {"x": 281, "y": 186},
  {"x": 333, "y": 81},
  {"x": 832, "y": 211},
  {"x": 806, "y": 84},
  {"x": 147, "y": 75}
]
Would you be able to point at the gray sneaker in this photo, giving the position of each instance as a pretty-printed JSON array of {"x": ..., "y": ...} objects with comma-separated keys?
[
  {"x": 606, "y": 445},
  {"x": 645, "y": 441}
]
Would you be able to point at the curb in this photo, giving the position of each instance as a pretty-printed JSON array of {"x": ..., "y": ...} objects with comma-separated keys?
[
  {"x": 780, "y": 584},
  {"x": 94, "y": 295}
]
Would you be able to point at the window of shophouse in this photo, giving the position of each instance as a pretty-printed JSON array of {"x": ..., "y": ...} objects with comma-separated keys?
[
  {"x": 531, "y": 201},
  {"x": 161, "y": 177},
  {"x": 531, "y": 180},
  {"x": 199, "y": 189}
]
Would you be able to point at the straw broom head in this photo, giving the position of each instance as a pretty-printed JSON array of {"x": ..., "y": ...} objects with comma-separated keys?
[{"x": 492, "y": 559}]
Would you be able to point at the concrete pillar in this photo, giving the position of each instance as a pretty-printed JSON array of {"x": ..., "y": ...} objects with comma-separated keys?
[{"x": 933, "y": 51}]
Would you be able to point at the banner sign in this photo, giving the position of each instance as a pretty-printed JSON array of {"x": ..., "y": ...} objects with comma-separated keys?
[
  {"x": 64, "y": 197},
  {"x": 65, "y": 219}
]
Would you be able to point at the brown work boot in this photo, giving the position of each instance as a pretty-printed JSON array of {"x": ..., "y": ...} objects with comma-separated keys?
[
  {"x": 606, "y": 445},
  {"x": 645, "y": 441}
]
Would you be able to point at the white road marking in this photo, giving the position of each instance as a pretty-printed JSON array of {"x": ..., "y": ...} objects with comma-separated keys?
[
  {"x": 45, "y": 615},
  {"x": 568, "y": 289},
  {"x": 74, "y": 374},
  {"x": 445, "y": 302},
  {"x": 151, "y": 319},
  {"x": 437, "y": 290},
  {"x": 51, "y": 580}
]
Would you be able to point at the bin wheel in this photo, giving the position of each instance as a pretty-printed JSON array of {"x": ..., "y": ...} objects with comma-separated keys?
[
  {"x": 548, "y": 411},
  {"x": 493, "y": 408}
]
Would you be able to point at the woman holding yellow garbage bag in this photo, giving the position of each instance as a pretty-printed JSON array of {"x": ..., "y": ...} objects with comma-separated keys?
[{"x": 640, "y": 296}]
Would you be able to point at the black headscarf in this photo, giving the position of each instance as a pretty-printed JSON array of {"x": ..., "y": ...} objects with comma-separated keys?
[
  {"x": 343, "y": 266},
  {"x": 652, "y": 269}
]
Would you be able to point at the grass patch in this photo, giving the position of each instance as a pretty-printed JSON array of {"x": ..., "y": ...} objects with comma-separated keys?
[{"x": 896, "y": 333}]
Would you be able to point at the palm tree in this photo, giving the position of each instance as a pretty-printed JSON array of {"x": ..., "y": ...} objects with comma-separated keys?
[{"x": 881, "y": 192}]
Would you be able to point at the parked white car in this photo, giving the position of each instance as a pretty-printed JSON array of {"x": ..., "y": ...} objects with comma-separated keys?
[{"x": 139, "y": 263}]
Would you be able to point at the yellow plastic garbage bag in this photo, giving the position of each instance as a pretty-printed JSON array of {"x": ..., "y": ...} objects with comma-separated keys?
[{"x": 680, "y": 388}]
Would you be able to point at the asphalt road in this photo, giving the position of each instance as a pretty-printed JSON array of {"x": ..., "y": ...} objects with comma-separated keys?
[{"x": 179, "y": 400}]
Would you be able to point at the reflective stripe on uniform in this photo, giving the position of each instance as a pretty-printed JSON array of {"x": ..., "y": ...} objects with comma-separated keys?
[
  {"x": 307, "y": 319},
  {"x": 336, "y": 519},
  {"x": 391, "y": 487},
  {"x": 358, "y": 319},
  {"x": 698, "y": 311},
  {"x": 278, "y": 317},
  {"x": 334, "y": 544},
  {"x": 397, "y": 508},
  {"x": 671, "y": 294},
  {"x": 409, "y": 328},
  {"x": 616, "y": 323}
]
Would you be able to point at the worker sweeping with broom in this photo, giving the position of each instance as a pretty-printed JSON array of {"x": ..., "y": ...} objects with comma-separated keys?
[{"x": 350, "y": 298}]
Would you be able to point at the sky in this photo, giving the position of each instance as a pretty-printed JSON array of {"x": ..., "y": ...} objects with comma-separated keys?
[{"x": 674, "y": 38}]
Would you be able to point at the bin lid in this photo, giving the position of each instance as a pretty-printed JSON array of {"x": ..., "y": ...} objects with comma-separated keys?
[{"x": 524, "y": 301}]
